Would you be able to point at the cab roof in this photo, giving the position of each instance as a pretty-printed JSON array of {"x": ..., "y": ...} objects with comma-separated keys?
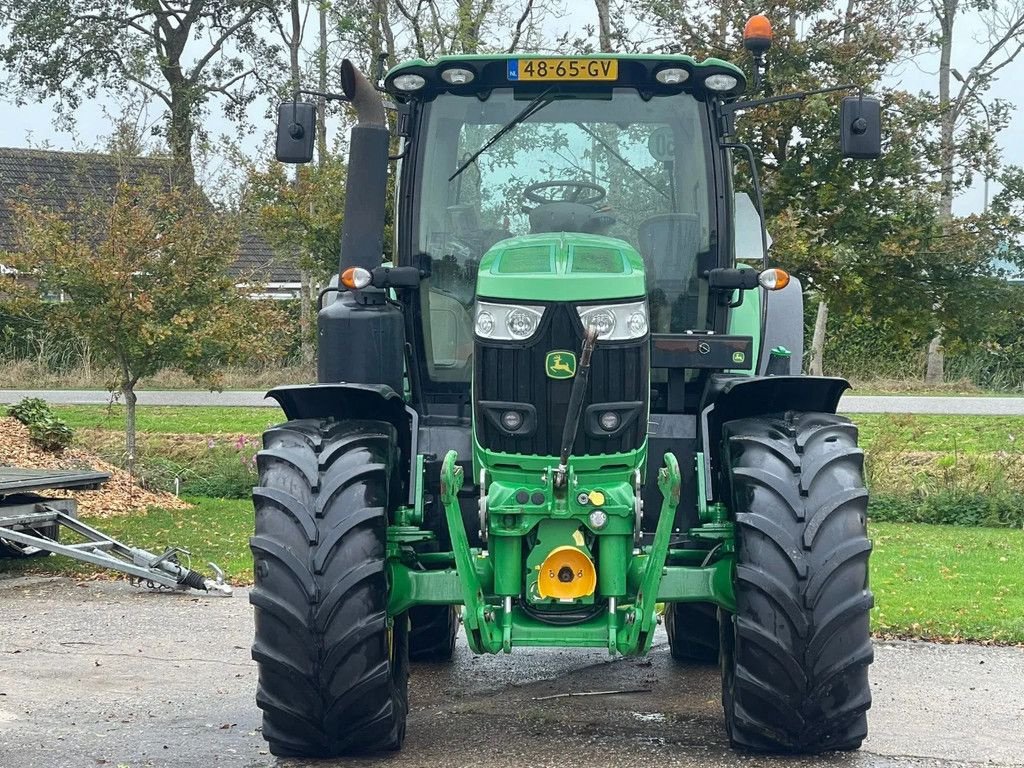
[{"x": 503, "y": 70}]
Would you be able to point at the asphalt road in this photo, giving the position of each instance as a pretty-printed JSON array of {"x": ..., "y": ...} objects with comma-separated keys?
[
  {"x": 979, "y": 406},
  {"x": 101, "y": 674}
]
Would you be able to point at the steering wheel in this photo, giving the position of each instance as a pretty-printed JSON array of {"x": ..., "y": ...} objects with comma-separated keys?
[{"x": 575, "y": 192}]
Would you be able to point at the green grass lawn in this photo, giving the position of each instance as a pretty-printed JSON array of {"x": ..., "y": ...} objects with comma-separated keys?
[
  {"x": 931, "y": 582},
  {"x": 940, "y": 432},
  {"x": 192, "y": 419},
  {"x": 966, "y": 434},
  {"x": 937, "y": 581}
]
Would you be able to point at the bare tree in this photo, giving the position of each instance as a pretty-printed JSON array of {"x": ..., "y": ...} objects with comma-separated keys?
[
  {"x": 520, "y": 27},
  {"x": 431, "y": 28}
]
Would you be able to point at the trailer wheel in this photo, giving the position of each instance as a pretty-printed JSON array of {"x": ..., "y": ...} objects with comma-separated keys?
[
  {"x": 333, "y": 670},
  {"x": 795, "y": 654},
  {"x": 692, "y": 632},
  {"x": 432, "y": 630}
]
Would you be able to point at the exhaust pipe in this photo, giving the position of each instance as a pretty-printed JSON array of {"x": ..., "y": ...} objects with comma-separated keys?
[
  {"x": 361, "y": 335},
  {"x": 362, "y": 237},
  {"x": 364, "y": 97}
]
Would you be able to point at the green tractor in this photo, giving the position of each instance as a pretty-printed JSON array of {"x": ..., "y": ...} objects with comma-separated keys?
[{"x": 569, "y": 410}]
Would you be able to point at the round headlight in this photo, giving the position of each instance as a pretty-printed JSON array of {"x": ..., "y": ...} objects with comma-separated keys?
[
  {"x": 637, "y": 324},
  {"x": 609, "y": 421},
  {"x": 512, "y": 420},
  {"x": 671, "y": 76},
  {"x": 521, "y": 324},
  {"x": 484, "y": 324},
  {"x": 409, "y": 82},
  {"x": 720, "y": 82},
  {"x": 598, "y": 518},
  {"x": 457, "y": 76},
  {"x": 603, "y": 320}
]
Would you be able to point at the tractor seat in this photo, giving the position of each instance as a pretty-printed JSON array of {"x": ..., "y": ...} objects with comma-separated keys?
[{"x": 668, "y": 242}]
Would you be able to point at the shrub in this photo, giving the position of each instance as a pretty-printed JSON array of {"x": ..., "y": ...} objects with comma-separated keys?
[
  {"x": 51, "y": 434},
  {"x": 30, "y": 411},
  {"x": 1004, "y": 510},
  {"x": 46, "y": 430}
]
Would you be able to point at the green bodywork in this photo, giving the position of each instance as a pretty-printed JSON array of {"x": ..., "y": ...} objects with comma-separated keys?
[
  {"x": 497, "y": 584},
  {"x": 561, "y": 267},
  {"x": 493, "y": 583}
]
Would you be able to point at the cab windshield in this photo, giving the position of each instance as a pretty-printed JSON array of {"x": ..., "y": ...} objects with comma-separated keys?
[{"x": 614, "y": 164}]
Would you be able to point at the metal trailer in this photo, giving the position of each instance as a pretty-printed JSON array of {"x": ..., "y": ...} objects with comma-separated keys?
[{"x": 30, "y": 524}]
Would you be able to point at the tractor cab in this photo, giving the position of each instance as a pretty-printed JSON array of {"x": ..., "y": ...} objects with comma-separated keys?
[{"x": 558, "y": 174}]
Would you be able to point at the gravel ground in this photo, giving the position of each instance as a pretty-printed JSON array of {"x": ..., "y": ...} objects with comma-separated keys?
[{"x": 99, "y": 673}]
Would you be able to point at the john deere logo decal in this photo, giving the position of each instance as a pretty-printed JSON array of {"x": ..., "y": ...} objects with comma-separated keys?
[{"x": 560, "y": 364}]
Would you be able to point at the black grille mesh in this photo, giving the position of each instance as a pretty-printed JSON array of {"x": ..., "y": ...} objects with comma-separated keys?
[{"x": 516, "y": 374}]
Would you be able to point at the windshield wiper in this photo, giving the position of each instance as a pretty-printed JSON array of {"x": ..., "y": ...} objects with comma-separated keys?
[{"x": 528, "y": 111}]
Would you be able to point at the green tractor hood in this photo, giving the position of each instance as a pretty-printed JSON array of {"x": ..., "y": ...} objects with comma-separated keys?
[{"x": 561, "y": 267}]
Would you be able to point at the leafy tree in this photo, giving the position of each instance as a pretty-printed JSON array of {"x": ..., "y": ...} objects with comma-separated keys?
[
  {"x": 851, "y": 229},
  {"x": 305, "y": 216},
  {"x": 183, "y": 53},
  {"x": 146, "y": 274},
  {"x": 965, "y": 144}
]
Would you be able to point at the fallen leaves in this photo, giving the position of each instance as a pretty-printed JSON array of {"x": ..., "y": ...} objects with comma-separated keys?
[{"x": 120, "y": 495}]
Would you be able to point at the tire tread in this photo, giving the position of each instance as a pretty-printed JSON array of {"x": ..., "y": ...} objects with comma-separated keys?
[
  {"x": 796, "y": 655},
  {"x": 327, "y": 684}
]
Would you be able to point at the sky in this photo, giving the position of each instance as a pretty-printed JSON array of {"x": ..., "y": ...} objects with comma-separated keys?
[{"x": 32, "y": 124}]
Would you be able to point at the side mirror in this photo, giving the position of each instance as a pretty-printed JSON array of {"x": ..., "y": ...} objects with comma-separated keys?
[
  {"x": 296, "y": 132},
  {"x": 860, "y": 119}
]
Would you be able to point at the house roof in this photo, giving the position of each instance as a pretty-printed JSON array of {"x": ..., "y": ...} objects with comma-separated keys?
[{"x": 59, "y": 179}]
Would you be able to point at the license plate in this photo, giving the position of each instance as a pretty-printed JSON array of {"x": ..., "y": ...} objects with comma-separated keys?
[{"x": 520, "y": 70}]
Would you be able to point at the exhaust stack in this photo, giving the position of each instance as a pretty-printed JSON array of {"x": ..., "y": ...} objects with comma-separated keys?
[
  {"x": 362, "y": 237},
  {"x": 362, "y": 336}
]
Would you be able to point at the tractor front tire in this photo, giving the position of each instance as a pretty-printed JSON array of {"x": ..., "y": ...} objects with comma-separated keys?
[
  {"x": 692, "y": 632},
  {"x": 333, "y": 668},
  {"x": 432, "y": 630},
  {"x": 795, "y": 654}
]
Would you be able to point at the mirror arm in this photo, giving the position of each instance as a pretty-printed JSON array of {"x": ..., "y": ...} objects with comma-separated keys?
[
  {"x": 759, "y": 201},
  {"x": 322, "y": 95},
  {"x": 798, "y": 96}
]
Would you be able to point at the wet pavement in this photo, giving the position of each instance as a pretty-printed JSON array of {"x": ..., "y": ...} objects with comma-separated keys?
[{"x": 99, "y": 673}]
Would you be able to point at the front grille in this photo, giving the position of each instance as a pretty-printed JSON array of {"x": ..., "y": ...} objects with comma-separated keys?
[{"x": 515, "y": 373}]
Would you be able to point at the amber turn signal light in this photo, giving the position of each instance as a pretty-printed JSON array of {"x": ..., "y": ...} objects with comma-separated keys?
[
  {"x": 356, "y": 277},
  {"x": 757, "y": 34},
  {"x": 773, "y": 279}
]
